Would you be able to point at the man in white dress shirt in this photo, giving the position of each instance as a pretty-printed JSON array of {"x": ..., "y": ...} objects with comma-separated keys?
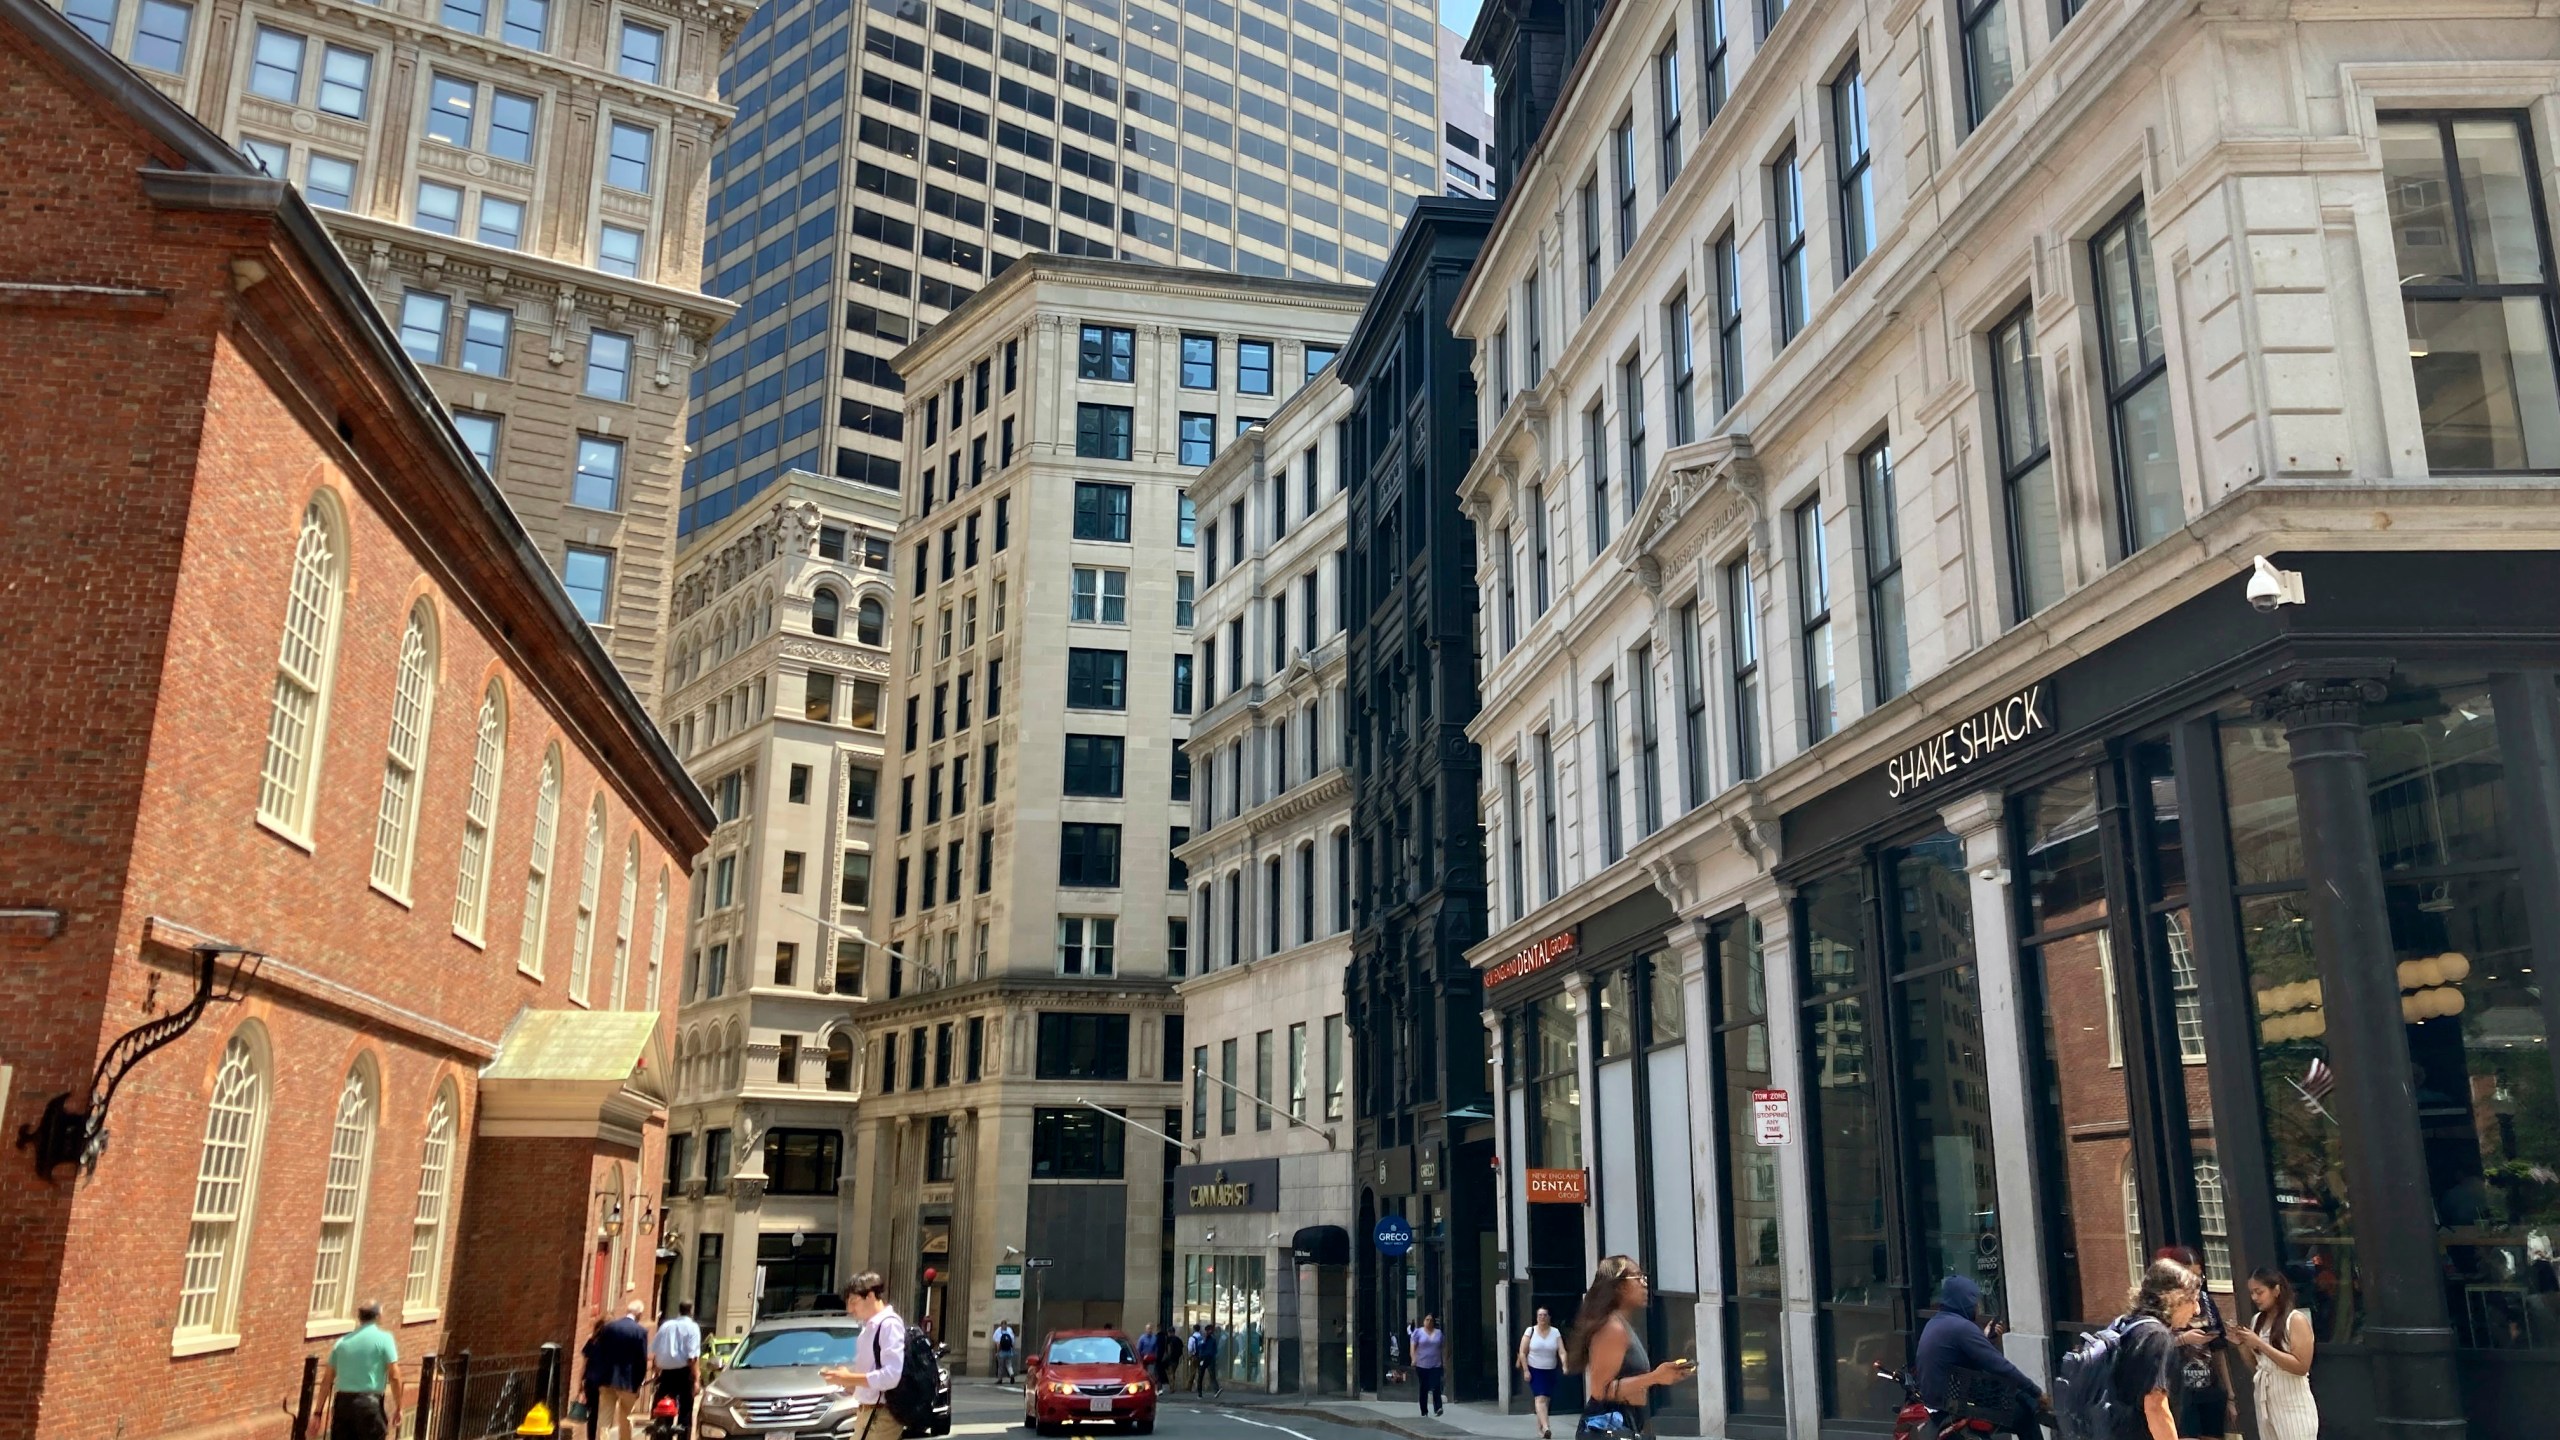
[{"x": 879, "y": 1358}]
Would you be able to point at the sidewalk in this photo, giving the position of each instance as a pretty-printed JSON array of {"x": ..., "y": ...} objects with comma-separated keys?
[{"x": 1395, "y": 1417}]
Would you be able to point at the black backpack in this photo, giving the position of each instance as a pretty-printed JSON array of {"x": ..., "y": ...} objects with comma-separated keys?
[
  {"x": 911, "y": 1399},
  {"x": 2085, "y": 1403}
]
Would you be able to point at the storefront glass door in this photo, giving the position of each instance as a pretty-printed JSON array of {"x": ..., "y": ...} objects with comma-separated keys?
[
  {"x": 1858, "y": 1284},
  {"x": 1755, "y": 1370}
]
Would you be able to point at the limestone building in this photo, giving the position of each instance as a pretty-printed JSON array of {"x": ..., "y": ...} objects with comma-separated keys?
[
  {"x": 1267, "y": 1074},
  {"x": 1017, "y": 1088},
  {"x": 521, "y": 184},
  {"x": 890, "y": 158},
  {"x": 1904, "y": 806},
  {"x": 778, "y": 664}
]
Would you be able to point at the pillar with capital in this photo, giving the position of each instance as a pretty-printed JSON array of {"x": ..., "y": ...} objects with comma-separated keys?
[
  {"x": 1506, "y": 1149},
  {"x": 1800, "y": 1334},
  {"x": 1690, "y": 951},
  {"x": 1586, "y": 1084},
  {"x": 2322, "y": 710}
]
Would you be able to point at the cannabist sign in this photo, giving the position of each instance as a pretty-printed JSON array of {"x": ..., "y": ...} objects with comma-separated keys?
[{"x": 2001, "y": 725}]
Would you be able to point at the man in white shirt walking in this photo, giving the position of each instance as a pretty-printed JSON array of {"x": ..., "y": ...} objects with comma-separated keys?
[
  {"x": 672, "y": 1354},
  {"x": 879, "y": 1359}
]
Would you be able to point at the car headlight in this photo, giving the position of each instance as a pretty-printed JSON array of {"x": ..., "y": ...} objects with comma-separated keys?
[
  {"x": 1061, "y": 1388},
  {"x": 1139, "y": 1387}
]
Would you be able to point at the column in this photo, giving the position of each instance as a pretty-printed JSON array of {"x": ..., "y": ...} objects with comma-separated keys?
[
  {"x": 1586, "y": 1080},
  {"x": 2406, "y": 1327},
  {"x": 1689, "y": 950},
  {"x": 1506, "y": 1149},
  {"x": 1802, "y": 1329},
  {"x": 1977, "y": 820}
]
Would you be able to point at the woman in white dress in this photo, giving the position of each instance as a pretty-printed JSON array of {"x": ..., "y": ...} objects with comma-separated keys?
[
  {"x": 1541, "y": 1359},
  {"x": 2281, "y": 1336}
]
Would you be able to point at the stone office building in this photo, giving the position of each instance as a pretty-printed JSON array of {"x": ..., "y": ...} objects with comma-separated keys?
[
  {"x": 778, "y": 665},
  {"x": 1426, "y": 1147},
  {"x": 521, "y": 186},
  {"x": 1269, "y": 862},
  {"x": 1021, "y": 1087},
  {"x": 1883, "y": 412}
]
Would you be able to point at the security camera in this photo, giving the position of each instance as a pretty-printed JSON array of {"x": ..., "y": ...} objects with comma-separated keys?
[{"x": 2270, "y": 587}]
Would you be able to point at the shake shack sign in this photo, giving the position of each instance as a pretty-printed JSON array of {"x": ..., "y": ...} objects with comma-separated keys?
[{"x": 2019, "y": 719}]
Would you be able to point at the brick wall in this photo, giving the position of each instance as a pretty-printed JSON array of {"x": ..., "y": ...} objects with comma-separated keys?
[{"x": 163, "y": 447}]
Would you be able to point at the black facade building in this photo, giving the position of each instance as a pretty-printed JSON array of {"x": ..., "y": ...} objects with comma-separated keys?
[{"x": 1425, "y": 1149}]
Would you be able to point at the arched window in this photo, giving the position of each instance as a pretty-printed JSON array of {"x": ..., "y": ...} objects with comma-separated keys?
[
  {"x": 488, "y": 767},
  {"x": 825, "y": 610},
  {"x": 621, "y": 997},
  {"x": 839, "y": 1062},
  {"x": 871, "y": 622},
  {"x": 426, "y": 1230},
  {"x": 2133, "y": 1246},
  {"x": 333, "y": 1274},
  {"x": 657, "y": 943},
  {"x": 537, "y": 871},
  {"x": 2215, "y": 1223},
  {"x": 303, "y": 664},
  {"x": 590, "y": 877},
  {"x": 226, "y": 1195},
  {"x": 413, "y": 702}
]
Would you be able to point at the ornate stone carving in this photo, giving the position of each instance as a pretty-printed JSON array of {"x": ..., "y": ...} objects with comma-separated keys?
[
  {"x": 1755, "y": 833},
  {"x": 747, "y": 1192},
  {"x": 2311, "y": 700}
]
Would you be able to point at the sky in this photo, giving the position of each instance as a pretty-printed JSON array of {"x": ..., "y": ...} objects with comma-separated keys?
[{"x": 1459, "y": 15}]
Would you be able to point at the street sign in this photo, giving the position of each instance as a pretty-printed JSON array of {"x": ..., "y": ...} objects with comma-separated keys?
[
  {"x": 1008, "y": 1282},
  {"x": 1394, "y": 1235},
  {"x": 1770, "y": 1122},
  {"x": 1039, "y": 1264}
]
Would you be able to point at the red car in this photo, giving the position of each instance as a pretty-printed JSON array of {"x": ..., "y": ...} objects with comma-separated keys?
[{"x": 1088, "y": 1377}]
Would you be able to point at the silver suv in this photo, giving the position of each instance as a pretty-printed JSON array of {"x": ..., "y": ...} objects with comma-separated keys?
[{"x": 771, "y": 1389}]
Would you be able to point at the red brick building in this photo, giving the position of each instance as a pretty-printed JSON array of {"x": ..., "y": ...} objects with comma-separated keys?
[{"x": 286, "y": 686}]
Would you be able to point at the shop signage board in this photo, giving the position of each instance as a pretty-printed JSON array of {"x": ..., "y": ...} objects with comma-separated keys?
[
  {"x": 1394, "y": 1235},
  {"x": 1531, "y": 958},
  {"x": 2004, "y": 724},
  {"x": 1771, "y": 1124},
  {"x": 1238, "y": 1185},
  {"x": 1558, "y": 1187},
  {"x": 1008, "y": 1282}
]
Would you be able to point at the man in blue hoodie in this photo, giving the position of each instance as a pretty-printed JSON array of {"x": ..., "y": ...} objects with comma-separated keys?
[{"x": 1954, "y": 1340}]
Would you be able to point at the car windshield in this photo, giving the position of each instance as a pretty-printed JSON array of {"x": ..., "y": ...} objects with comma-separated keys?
[
  {"x": 1091, "y": 1350},
  {"x": 799, "y": 1345}
]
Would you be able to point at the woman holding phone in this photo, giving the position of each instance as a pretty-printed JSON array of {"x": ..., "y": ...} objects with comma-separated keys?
[{"x": 1617, "y": 1374}]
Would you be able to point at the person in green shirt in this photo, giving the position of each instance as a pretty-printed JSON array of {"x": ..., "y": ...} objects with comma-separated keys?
[{"x": 363, "y": 1382}]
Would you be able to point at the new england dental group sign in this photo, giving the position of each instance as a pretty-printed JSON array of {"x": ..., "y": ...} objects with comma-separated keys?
[{"x": 2005, "y": 724}]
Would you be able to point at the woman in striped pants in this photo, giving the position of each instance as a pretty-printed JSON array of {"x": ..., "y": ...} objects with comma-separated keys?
[{"x": 2281, "y": 1337}]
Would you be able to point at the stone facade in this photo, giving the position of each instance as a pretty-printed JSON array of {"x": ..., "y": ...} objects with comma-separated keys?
[
  {"x": 1270, "y": 915},
  {"x": 778, "y": 661},
  {"x": 469, "y": 848},
  {"x": 1043, "y": 598},
  {"x": 514, "y": 182},
  {"x": 1892, "y": 364}
]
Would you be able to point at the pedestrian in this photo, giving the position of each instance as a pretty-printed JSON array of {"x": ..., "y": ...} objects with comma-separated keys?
[
  {"x": 2147, "y": 1354},
  {"x": 617, "y": 1360},
  {"x": 1429, "y": 1348},
  {"x": 1209, "y": 1341},
  {"x": 1541, "y": 1359},
  {"x": 673, "y": 1352},
  {"x": 1147, "y": 1348},
  {"x": 1959, "y": 1338},
  {"x": 1191, "y": 1356},
  {"x": 1004, "y": 1339},
  {"x": 2281, "y": 1337},
  {"x": 363, "y": 1383},
  {"x": 880, "y": 1353},
  {"x": 2208, "y": 1407},
  {"x": 1603, "y": 1346}
]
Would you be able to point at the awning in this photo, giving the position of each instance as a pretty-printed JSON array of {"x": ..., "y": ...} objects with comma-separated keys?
[
  {"x": 582, "y": 1073},
  {"x": 1322, "y": 1245}
]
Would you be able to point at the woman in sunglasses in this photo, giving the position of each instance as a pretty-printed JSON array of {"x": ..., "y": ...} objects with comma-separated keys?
[{"x": 1617, "y": 1374}]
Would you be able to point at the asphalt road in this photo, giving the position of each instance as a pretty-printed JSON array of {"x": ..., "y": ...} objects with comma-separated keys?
[{"x": 980, "y": 1411}]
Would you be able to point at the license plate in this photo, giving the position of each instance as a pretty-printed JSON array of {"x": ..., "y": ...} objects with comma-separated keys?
[{"x": 1099, "y": 1405}]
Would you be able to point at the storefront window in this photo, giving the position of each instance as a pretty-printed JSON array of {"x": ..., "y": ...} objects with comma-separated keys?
[
  {"x": 1857, "y": 1287},
  {"x": 1756, "y": 1374},
  {"x": 2092, "y": 1196},
  {"x": 1670, "y": 1009},
  {"x": 1617, "y": 1017},
  {"x": 1557, "y": 1126},
  {"x": 1943, "y": 1072},
  {"x": 1227, "y": 1291}
]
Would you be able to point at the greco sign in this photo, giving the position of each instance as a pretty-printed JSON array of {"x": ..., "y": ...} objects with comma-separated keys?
[{"x": 2004, "y": 724}]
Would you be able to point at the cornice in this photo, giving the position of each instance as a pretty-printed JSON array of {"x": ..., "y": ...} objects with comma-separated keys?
[
  {"x": 385, "y": 247},
  {"x": 1305, "y": 800},
  {"x": 433, "y": 37},
  {"x": 1710, "y": 492}
]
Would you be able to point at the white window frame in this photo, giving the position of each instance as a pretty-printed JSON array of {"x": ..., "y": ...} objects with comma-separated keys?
[
  {"x": 537, "y": 872},
  {"x": 590, "y": 877},
  {"x": 306, "y": 665},
  {"x": 226, "y": 1199},
  {"x": 480, "y": 817},
  {"x": 345, "y": 1184},
  {"x": 413, "y": 700},
  {"x": 423, "y": 1298}
]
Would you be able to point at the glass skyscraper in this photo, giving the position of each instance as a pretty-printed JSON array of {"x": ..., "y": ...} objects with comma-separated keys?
[{"x": 887, "y": 160}]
